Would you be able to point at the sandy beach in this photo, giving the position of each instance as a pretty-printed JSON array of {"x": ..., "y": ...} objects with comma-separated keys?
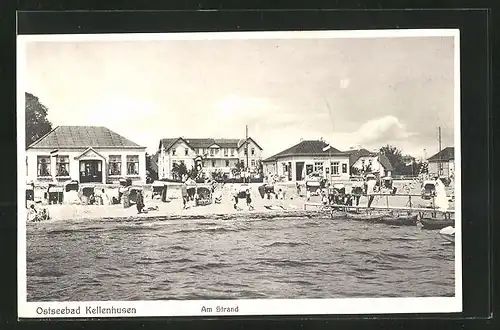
[{"x": 292, "y": 205}]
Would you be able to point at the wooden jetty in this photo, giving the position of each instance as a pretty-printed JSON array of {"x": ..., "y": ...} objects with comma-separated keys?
[{"x": 391, "y": 215}]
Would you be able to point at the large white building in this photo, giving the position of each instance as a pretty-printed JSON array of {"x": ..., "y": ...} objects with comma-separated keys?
[
  {"x": 208, "y": 155},
  {"x": 307, "y": 159},
  {"x": 88, "y": 154}
]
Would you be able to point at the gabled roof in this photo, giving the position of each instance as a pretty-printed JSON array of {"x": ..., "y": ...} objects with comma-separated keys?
[
  {"x": 206, "y": 142},
  {"x": 444, "y": 155},
  {"x": 82, "y": 137},
  {"x": 306, "y": 148},
  {"x": 168, "y": 143},
  {"x": 355, "y": 155}
]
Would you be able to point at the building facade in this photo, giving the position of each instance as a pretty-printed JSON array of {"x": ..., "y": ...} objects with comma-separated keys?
[
  {"x": 443, "y": 163},
  {"x": 208, "y": 155},
  {"x": 87, "y": 154},
  {"x": 363, "y": 160},
  {"x": 306, "y": 160}
]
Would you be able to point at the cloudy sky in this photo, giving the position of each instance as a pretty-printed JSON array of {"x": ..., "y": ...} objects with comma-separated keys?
[{"x": 352, "y": 92}]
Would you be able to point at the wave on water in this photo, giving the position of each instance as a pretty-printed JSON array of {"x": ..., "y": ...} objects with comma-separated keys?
[
  {"x": 178, "y": 247},
  {"x": 290, "y": 244},
  {"x": 206, "y": 266},
  {"x": 205, "y": 230}
]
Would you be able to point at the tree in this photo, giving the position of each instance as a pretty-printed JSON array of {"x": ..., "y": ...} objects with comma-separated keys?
[
  {"x": 395, "y": 157},
  {"x": 150, "y": 169},
  {"x": 239, "y": 167},
  {"x": 179, "y": 171},
  {"x": 175, "y": 171},
  {"x": 183, "y": 171},
  {"x": 354, "y": 170},
  {"x": 37, "y": 124},
  {"x": 367, "y": 169},
  {"x": 260, "y": 167},
  {"x": 193, "y": 173}
]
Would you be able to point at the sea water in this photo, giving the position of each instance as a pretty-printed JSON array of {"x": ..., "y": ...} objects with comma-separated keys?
[{"x": 155, "y": 259}]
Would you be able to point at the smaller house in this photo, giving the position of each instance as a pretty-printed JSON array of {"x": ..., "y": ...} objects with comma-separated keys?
[
  {"x": 308, "y": 158},
  {"x": 442, "y": 163},
  {"x": 363, "y": 160}
]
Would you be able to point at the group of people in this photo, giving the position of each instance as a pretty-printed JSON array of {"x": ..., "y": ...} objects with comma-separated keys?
[
  {"x": 238, "y": 194},
  {"x": 339, "y": 195},
  {"x": 37, "y": 215}
]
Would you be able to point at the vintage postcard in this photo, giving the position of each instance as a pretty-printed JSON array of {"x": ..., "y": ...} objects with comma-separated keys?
[{"x": 245, "y": 173}]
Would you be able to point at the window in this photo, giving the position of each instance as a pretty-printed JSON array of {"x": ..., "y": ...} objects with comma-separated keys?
[
  {"x": 133, "y": 165},
  {"x": 344, "y": 168},
  {"x": 253, "y": 152},
  {"x": 226, "y": 152},
  {"x": 335, "y": 168},
  {"x": 213, "y": 163},
  {"x": 253, "y": 162},
  {"x": 173, "y": 152},
  {"x": 246, "y": 151},
  {"x": 26, "y": 165},
  {"x": 43, "y": 163},
  {"x": 115, "y": 165},
  {"x": 232, "y": 152},
  {"x": 227, "y": 163},
  {"x": 62, "y": 166},
  {"x": 198, "y": 151},
  {"x": 186, "y": 152},
  {"x": 309, "y": 169},
  {"x": 212, "y": 152},
  {"x": 318, "y": 167}
]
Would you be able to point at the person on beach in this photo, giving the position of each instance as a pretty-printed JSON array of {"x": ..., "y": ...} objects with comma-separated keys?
[
  {"x": 324, "y": 198},
  {"x": 370, "y": 190},
  {"x": 235, "y": 197},
  {"x": 441, "y": 201},
  {"x": 218, "y": 195},
  {"x": 32, "y": 213},
  {"x": 185, "y": 196},
  {"x": 139, "y": 202},
  {"x": 249, "y": 200}
]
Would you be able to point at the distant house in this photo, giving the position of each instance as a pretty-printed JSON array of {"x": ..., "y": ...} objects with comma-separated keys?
[
  {"x": 363, "y": 159},
  {"x": 208, "y": 155},
  {"x": 442, "y": 163},
  {"x": 307, "y": 158},
  {"x": 88, "y": 154}
]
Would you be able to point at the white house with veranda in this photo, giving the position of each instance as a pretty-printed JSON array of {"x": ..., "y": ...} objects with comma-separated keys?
[
  {"x": 88, "y": 154},
  {"x": 309, "y": 158},
  {"x": 208, "y": 155}
]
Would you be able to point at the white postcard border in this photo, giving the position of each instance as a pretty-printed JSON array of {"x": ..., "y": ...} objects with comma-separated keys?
[{"x": 245, "y": 307}]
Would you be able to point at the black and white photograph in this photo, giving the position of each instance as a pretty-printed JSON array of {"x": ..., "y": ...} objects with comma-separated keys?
[{"x": 239, "y": 173}]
